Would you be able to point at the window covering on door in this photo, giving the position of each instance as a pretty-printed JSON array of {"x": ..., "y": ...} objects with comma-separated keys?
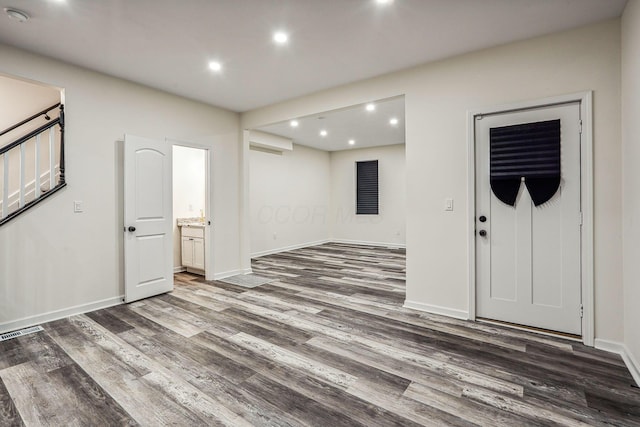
[
  {"x": 367, "y": 188},
  {"x": 528, "y": 153}
]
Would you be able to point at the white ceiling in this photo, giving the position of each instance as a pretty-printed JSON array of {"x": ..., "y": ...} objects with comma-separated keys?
[
  {"x": 167, "y": 44},
  {"x": 366, "y": 128}
]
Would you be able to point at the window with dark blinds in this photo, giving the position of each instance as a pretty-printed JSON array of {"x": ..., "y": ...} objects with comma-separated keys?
[{"x": 367, "y": 188}]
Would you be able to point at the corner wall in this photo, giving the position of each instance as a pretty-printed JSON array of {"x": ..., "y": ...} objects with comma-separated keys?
[
  {"x": 54, "y": 262},
  {"x": 437, "y": 98},
  {"x": 631, "y": 179},
  {"x": 289, "y": 199}
]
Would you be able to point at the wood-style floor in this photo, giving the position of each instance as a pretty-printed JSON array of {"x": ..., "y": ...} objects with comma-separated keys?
[{"x": 327, "y": 344}]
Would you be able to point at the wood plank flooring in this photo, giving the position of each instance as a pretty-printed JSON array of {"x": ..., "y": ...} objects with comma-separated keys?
[{"x": 327, "y": 344}]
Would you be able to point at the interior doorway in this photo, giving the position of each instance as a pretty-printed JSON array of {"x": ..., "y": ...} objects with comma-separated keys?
[{"x": 192, "y": 239}]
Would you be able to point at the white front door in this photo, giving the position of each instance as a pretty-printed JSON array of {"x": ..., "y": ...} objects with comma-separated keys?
[
  {"x": 148, "y": 216},
  {"x": 528, "y": 235}
]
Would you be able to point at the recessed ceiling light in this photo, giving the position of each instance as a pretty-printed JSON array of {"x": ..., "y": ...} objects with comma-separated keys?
[
  {"x": 384, "y": 1},
  {"x": 371, "y": 107},
  {"x": 352, "y": 141},
  {"x": 294, "y": 123},
  {"x": 280, "y": 37},
  {"x": 215, "y": 66},
  {"x": 323, "y": 132},
  {"x": 16, "y": 15},
  {"x": 393, "y": 121}
]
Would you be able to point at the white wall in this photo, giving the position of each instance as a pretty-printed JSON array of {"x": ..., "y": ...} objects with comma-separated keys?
[
  {"x": 27, "y": 98},
  {"x": 437, "y": 99},
  {"x": 189, "y": 186},
  {"x": 388, "y": 227},
  {"x": 631, "y": 176},
  {"x": 54, "y": 260},
  {"x": 289, "y": 199}
]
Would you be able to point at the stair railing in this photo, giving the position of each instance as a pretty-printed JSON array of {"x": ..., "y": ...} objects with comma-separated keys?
[{"x": 55, "y": 175}]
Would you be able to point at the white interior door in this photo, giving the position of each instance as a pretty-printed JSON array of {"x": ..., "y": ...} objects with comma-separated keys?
[
  {"x": 528, "y": 257},
  {"x": 148, "y": 217}
]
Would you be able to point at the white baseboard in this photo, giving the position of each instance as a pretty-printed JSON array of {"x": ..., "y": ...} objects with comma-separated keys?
[
  {"x": 38, "y": 319},
  {"x": 179, "y": 269},
  {"x": 225, "y": 274},
  {"x": 434, "y": 309},
  {"x": 623, "y": 351},
  {"x": 367, "y": 243},
  {"x": 288, "y": 248}
]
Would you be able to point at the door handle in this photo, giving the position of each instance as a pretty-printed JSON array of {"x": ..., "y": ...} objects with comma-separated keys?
[
  {"x": 131, "y": 229},
  {"x": 483, "y": 233}
]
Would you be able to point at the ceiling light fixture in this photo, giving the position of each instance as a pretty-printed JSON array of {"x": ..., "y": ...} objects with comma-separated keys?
[
  {"x": 371, "y": 107},
  {"x": 294, "y": 123},
  {"x": 215, "y": 66},
  {"x": 384, "y": 2},
  {"x": 323, "y": 132},
  {"x": 280, "y": 37},
  {"x": 393, "y": 121},
  {"x": 352, "y": 141},
  {"x": 16, "y": 15}
]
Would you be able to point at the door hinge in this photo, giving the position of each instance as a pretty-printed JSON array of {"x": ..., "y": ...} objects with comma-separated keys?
[
  {"x": 580, "y": 126},
  {"x": 581, "y": 311},
  {"x": 581, "y": 218}
]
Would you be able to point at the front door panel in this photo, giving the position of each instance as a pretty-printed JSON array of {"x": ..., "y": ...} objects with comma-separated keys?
[{"x": 528, "y": 256}]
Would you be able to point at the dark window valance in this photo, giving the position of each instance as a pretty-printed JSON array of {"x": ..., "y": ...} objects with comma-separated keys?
[{"x": 528, "y": 152}]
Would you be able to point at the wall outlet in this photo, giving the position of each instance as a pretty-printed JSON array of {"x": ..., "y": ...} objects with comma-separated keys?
[{"x": 78, "y": 206}]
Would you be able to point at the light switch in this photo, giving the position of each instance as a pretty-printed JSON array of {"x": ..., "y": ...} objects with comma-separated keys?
[
  {"x": 448, "y": 204},
  {"x": 78, "y": 206}
]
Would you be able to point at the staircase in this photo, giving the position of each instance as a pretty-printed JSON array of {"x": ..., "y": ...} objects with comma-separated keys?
[{"x": 31, "y": 162}]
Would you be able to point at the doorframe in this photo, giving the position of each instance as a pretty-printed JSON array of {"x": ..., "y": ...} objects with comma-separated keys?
[
  {"x": 208, "y": 197},
  {"x": 586, "y": 198}
]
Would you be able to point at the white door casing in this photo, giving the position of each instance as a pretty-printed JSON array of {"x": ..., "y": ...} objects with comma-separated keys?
[
  {"x": 528, "y": 266},
  {"x": 148, "y": 217}
]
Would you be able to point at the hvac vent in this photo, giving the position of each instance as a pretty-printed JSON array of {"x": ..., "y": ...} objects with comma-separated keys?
[{"x": 20, "y": 333}]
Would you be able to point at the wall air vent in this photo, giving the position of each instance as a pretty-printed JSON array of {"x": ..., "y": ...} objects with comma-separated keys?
[{"x": 20, "y": 333}]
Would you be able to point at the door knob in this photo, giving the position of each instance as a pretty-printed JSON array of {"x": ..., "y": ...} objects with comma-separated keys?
[
  {"x": 482, "y": 218},
  {"x": 131, "y": 229},
  {"x": 483, "y": 233}
]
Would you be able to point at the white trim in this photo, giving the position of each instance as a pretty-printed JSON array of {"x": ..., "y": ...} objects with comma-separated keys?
[
  {"x": 225, "y": 274},
  {"x": 623, "y": 351},
  {"x": 367, "y": 243},
  {"x": 434, "y": 309},
  {"x": 288, "y": 248},
  {"x": 610, "y": 346},
  {"x": 180, "y": 269},
  {"x": 60, "y": 314},
  {"x": 586, "y": 191},
  {"x": 471, "y": 212}
]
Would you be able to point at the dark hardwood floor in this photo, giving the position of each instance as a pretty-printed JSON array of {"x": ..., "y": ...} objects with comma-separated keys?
[{"x": 327, "y": 344}]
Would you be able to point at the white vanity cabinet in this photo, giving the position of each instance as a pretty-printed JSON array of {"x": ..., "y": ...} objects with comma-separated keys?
[{"x": 192, "y": 246}]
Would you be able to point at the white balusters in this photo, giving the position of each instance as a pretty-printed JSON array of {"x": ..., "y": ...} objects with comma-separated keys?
[
  {"x": 5, "y": 185},
  {"x": 37, "y": 183},
  {"x": 52, "y": 159},
  {"x": 23, "y": 164}
]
